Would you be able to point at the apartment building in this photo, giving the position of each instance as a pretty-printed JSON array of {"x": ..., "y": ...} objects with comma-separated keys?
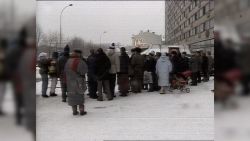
[
  {"x": 190, "y": 22},
  {"x": 146, "y": 39}
]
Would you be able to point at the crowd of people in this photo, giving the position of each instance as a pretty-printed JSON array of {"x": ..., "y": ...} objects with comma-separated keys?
[{"x": 100, "y": 72}]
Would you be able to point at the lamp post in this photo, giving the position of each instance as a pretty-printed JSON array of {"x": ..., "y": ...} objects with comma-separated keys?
[
  {"x": 101, "y": 38},
  {"x": 61, "y": 23}
]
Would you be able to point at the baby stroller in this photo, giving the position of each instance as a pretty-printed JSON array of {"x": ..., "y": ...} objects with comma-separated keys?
[{"x": 180, "y": 81}]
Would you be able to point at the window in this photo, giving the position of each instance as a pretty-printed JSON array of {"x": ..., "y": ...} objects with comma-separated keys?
[
  {"x": 204, "y": 10},
  {"x": 207, "y": 8},
  {"x": 193, "y": 31},
  {"x": 202, "y": 27},
  {"x": 211, "y": 2},
  {"x": 207, "y": 25},
  {"x": 211, "y": 23},
  {"x": 196, "y": 29},
  {"x": 200, "y": 13}
]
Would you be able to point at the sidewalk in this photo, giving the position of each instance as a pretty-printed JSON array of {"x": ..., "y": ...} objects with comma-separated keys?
[{"x": 145, "y": 116}]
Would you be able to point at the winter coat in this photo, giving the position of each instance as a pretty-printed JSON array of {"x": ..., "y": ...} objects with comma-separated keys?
[
  {"x": 185, "y": 64},
  {"x": 114, "y": 60},
  {"x": 52, "y": 68},
  {"x": 204, "y": 63},
  {"x": 163, "y": 69},
  {"x": 210, "y": 63},
  {"x": 75, "y": 70},
  {"x": 102, "y": 67},
  {"x": 150, "y": 64},
  {"x": 137, "y": 65},
  {"x": 123, "y": 67},
  {"x": 61, "y": 63},
  {"x": 200, "y": 63},
  {"x": 43, "y": 64},
  {"x": 194, "y": 64},
  {"x": 91, "y": 63},
  {"x": 176, "y": 61}
]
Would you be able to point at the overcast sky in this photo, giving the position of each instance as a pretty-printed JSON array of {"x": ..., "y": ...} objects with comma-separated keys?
[{"x": 88, "y": 19}]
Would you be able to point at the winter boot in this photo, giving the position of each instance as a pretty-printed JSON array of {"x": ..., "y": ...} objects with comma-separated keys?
[
  {"x": 162, "y": 91},
  {"x": 75, "y": 112},
  {"x": 53, "y": 94},
  {"x": 82, "y": 110}
]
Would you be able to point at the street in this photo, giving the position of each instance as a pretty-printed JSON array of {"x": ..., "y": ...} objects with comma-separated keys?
[{"x": 145, "y": 116}]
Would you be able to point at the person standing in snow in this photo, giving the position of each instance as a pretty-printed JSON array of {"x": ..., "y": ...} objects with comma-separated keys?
[
  {"x": 122, "y": 72},
  {"x": 114, "y": 60},
  {"x": 149, "y": 66},
  {"x": 194, "y": 66},
  {"x": 53, "y": 73},
  {"x": 204, "y": 66},
  {"x": 75, "y": 70},
  {"x": 101, "y": 71},
  {"x": 60, "y": 68},
  {"x": 137, "y": 65},
  {"x": 92, "y": 82},
  {"x": 43, "y": 64},
  {"x": 163, "y": 69}
]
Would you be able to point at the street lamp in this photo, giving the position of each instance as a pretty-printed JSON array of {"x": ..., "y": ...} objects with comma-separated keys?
[
  {"x": 101, "y": 38},
  {"x": 61, "y": 23}
]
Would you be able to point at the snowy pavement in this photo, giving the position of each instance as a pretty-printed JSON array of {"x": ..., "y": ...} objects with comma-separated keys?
[
  {"x": 9, "y": 131},
  {"x": 145, "y": 116}
]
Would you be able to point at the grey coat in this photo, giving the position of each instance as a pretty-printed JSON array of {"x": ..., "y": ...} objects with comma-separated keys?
[
  {"x": 163, "y": 68},
  {"x": 75, "y": 70}
]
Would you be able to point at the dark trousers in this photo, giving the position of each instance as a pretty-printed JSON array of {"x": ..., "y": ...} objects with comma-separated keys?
[
  {"x": 194, "y": 78},
  {"x": 155, "y": 82},
  {"x": 198, "y": 76},
  {"x": 101, "y": 84},
  {"x": 45, "y": 82},
  {"x": 112, "y": 82},
  {"x": 63, "y": 87},
  {"x": 205, "y": 75},
  {"x": 136, "y": 84},
  {"x": 123, "y": 82},
  {"x": 92, "y": 85}
]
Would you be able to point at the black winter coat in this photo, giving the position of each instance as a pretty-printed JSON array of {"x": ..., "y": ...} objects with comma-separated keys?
[
  {"x": 61, "y": 63},
  {"x": 150, "y": 64},
  {"x": 91, "y": 60},
  {"x": 43, "y": 64},
  {"x": 204, "y": 63},
  {"x": 102, "y": 67},
  {"x": 176, "y": 61},
  {"x": 124, "y": 63}
]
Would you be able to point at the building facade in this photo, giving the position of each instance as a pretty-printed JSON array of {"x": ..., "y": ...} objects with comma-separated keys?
[
  {"x": 190, "y": 22},
  {"x": 146, "y": 39},
  {"x": 232, "y": 19}
]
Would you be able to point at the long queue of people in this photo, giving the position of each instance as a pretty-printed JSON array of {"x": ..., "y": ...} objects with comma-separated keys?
[{"x": 100, "y": 72}]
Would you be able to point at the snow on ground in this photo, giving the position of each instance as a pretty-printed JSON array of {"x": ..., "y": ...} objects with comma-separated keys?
[
  {"x": 232, "y": 123},
  {"x": 9, "y": 131},
  {"x": 145, "y": 116}
]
